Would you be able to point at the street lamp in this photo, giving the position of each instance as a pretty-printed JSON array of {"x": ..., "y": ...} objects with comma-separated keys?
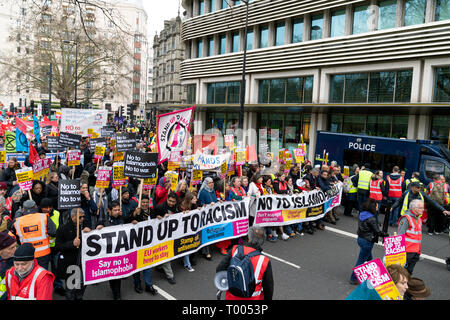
[{"x": 76, "y": 65}]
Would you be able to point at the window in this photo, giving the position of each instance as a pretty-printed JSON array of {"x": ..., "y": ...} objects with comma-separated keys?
[
  {"x": 264, "y": 37},
  {"x": 222, "y": 44},
  {"x": 442, "y": 85},
  {"x": 297, "y": 30},
  {"x": 201, "y": 7},
  {"x": 316, "y": 27},
  {"x": 440, "y": 126},
  {"x": 279, "y": 33},
  {"x": 361, "y": 18},
  {"x": 224, "y": 4},
  {"x": 289, "y": 90},
  {"x": 433, "y": 167},
  {"x": 250, "y": 37},
  {"x": 415, "y": 12},
  {"x": 223, "y": 92},
  {"x": 387, "y": 14},
  {"x": 212, "y": 5},
  {"x": 337, "y": 23},
  {"x": 374, "y": 87},
  {"x": 199, "y": 48},
  {"x": 191, "y": 93},
  {"x": 235, "y": 42},
  {"x": 210, "y": 47},
  {"x": 442, "y": 10}
]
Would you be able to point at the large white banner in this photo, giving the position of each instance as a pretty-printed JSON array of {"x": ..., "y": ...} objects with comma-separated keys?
[
  {"x": 173, "y": 132},
  {"x": 78, "y": 121}
]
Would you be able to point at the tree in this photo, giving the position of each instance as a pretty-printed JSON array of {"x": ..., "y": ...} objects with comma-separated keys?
[{"x": 87, "y": 50}]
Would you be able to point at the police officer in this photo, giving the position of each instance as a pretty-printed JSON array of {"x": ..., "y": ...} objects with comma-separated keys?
[{"x": 362, "y": 181}]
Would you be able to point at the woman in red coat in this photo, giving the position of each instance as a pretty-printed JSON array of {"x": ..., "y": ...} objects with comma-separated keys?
[{"x": 162, "y": 190}]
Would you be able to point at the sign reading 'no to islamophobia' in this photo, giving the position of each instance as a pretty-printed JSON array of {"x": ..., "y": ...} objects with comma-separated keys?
[{"x": 140, "y": 165}]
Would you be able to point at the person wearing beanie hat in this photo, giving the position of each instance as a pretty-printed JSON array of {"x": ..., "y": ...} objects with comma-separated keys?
[
  {"x": 7, "y": 248},
  {"x": 26, "y": 280}
]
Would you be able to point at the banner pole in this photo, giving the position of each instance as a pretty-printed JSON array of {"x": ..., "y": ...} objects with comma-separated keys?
[
  {"x": 120, "y": 197},
  {"x": 29, "y": 194},
  {"x": 78, "y": 223},
  {"x": 140, "y": 191}
]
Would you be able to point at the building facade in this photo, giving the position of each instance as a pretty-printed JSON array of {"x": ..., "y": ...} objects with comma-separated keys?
[
  {"x": 168, "y": 53},
  {"x": 132, "y": 21},
  {"x": 379, "y": 67}
]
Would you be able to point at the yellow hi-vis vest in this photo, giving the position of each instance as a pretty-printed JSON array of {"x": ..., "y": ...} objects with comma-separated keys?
[
  {"x": 352, "y": 188},
  {"x": 405, "y": 203},
  {"x": 55, "y": 219},
  {"x": 364, "y": 179}
]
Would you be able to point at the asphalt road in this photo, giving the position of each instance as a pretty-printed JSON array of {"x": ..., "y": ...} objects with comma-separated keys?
[{"x": 309, "y": 267}]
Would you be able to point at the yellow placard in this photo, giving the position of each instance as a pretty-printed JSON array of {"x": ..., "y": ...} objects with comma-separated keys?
[
  {"x": 289, "y": 215},
  {"x": 171, "y": 166},
  {"x": 90, "y": 131},
  {"x": 118, "y": 173},
  {"x": 118, "y": 156},
  {"x": 99, "y": 151},
  {"x": 3, "y": 156},
  {"x": 24, "y": 176},
  {"x": 240, "y": 156},
  {"x": 174, "y": 181},
  {"x": 149, "y": 256}
]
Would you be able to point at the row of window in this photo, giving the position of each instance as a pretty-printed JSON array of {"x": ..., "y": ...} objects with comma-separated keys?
[
  {"x": 202, "y": 9},
  {"x": 369, "y": 87},
  {"x": 413, "y": 13}
]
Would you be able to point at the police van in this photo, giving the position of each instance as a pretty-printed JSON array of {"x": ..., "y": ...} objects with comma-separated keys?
[{"x": 423, "y": 156}]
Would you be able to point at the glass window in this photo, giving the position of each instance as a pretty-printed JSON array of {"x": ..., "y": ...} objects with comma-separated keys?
[
  {"x": 403, "y": 86},
  {"x": 279, "y": 33},
  {"x": 440, "y": 126},
  {"x": 277, "y": 91},
  {"x": 224, "y": 4},
  {"x": 308, "y": 92},
  {"x": 400, "y": 127},
  {"x": 442, "y": 10},
  {"x": 264, "y": 91},
  {"x": 354, "y": 124},
  {"x": 387, "y": 14},
  {"x": 297, "y": 30},
  {"x": 264, "y": 37},
  {"x": 442, "y": 85},
  {"x": 381, "y": 87},
  {"x": 316, "y": 27},
  {"x": 433, "y": 167},
  {"x": 223, "y": 44},
  {"x": 361, "y": 18},
  {"x": 199, "y": 48},
  {"x": 235, "y": 37},
  {"x": 201, "y": 7},
  {"x": 294, "y": 90},
  {"x": 210, "y": 47},
  {"x": 337, "y": 88},
  {"x": 233, "y": 92},
  {"x": 236, "y": 2},
  {"x": 379, "y": 125},
  {"x": 191, "y": 93},
  {"x": 337, "y": 23},
  {"x": 415, "y": 12},
  {"x": 356, "y": 87},
  {"x": 250, "y": 37},
  {"x": 335, "y": 123},
  {"x": 220, "y": 92},
  {"x": 210, "y": 93},
  {"x": 212, "y": 6}
]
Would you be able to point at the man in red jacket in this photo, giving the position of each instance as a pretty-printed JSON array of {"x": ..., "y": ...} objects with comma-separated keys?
[{"x": 27, "y": 280}]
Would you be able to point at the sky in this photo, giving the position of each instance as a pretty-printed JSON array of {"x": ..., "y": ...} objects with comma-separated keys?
[{"x": 158, "y": 11}]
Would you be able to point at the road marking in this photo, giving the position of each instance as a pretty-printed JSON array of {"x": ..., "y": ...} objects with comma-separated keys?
[
  {"x": 164, "y": 294},
  {"x": 351, "y": 235},
  {"x": 281, "y": 260}
]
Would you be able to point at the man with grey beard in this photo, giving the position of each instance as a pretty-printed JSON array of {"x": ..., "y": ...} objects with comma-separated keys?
[{"x": 261, "y": 266}]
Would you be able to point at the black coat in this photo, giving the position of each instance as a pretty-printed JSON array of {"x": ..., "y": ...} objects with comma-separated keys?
[
  {"x": 52, "y": 193},
  {"x": 368, "y": 227}
]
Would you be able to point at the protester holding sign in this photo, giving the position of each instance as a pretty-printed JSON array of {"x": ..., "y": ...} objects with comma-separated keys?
[{"x": 368, "y": 233}]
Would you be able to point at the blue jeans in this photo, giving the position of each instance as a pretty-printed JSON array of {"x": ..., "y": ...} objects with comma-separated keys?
[
  {"x": 365, "y": 254},
  {"x": 394, "y": 215},
  {"x": 147, "y": 277},
  {"x": 186, "y": 261},
  {"x": 293, "y": 227}
]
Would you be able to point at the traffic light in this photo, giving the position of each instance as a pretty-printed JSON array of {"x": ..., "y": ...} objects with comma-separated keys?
[
  {"x": 32, "y": 106},
  {"x": 121, "y": 111},
  {"x": 11, "y": 107}
]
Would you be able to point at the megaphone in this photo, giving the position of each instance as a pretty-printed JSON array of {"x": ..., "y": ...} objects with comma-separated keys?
[{"x": 221, "y": 281}]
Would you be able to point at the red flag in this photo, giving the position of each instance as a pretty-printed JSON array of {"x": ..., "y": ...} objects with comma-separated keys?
[
  {"x": 46, "y": 118},
  {"x": 33, "y": 154}
]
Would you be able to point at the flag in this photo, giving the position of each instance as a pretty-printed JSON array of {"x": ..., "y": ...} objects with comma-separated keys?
[
  {"x": 22, "y": 144},
  {"x": 10, "y": 142},
  {"x": 33, "y": 154},
  {"x": 45, "y": 118},
  {"x": 37, "y": 129},
  {"x": 173, "y": 132}
]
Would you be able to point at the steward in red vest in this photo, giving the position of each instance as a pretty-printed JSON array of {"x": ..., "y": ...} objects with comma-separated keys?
[{"x": 261, "y": 265}]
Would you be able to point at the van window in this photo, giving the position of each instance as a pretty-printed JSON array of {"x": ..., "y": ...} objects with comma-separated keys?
[
  {"x": 391, "y": 161},
  {"x": 374, "y": 159},
  {"x": 360, "y": 158},
  {"x": 432, "y": 167},
  {"x": 351, "y": 157}
]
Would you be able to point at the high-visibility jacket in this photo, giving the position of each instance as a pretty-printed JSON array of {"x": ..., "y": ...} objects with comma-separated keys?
[
  {"x": 413, "y": 235},
  {"x": 395, "y": 187},
  {"x": 375, "y": 190},
  {"x": 364, "y": 177},
  {"x": 446, "y": 191},
  {"x": 412, "y": 180},
  {"x": 239, "y": 192},
  {"x": 259, "y": 264},
  {"x": 32, "y": 228},
  {"x": 352, "y": 188},
  {"x": 28, "y": 288},
  {"x": 405, "y": 205},
  {"x": 55, "y": 219}
]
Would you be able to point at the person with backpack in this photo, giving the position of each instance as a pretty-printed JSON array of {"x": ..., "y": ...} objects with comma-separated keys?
[
  {"x": 437, "y": 191},
  {"x": 249, "y": 273}
]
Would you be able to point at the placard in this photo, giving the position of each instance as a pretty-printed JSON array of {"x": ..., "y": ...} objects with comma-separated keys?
[
  {"x": 118, "y": 177},
  {"x": 73, "y": 158},
  {"x": 103, "y": 177},
  {"x": 25, "y": 178},
  {"x": 99, "y": 151},
  {"x": 41, "y": 168},
  {"x": 78, "y": 121},
  {"x": 69, "y": 194},
  {"x": 93, "y": 142},
  {"x": 126, "y": 142},
  {"x": 108, "y": 131},
  {"x": 395, "y": 250},
  {"x": 69, "y": 140},
  {"x": 197, "y": 177},
  {"x": 140, "y": 165},
  {"x": 53, "y": 144}
]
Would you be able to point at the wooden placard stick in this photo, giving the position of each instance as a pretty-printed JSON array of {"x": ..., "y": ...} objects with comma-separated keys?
[
  {"x": 120, "y": 197},
  {"x": 78, "y": 223},
  {"x": 100, "y": 200},
  {"x": 140, "y": 191},
  {"x": 29, "y": 195}
]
